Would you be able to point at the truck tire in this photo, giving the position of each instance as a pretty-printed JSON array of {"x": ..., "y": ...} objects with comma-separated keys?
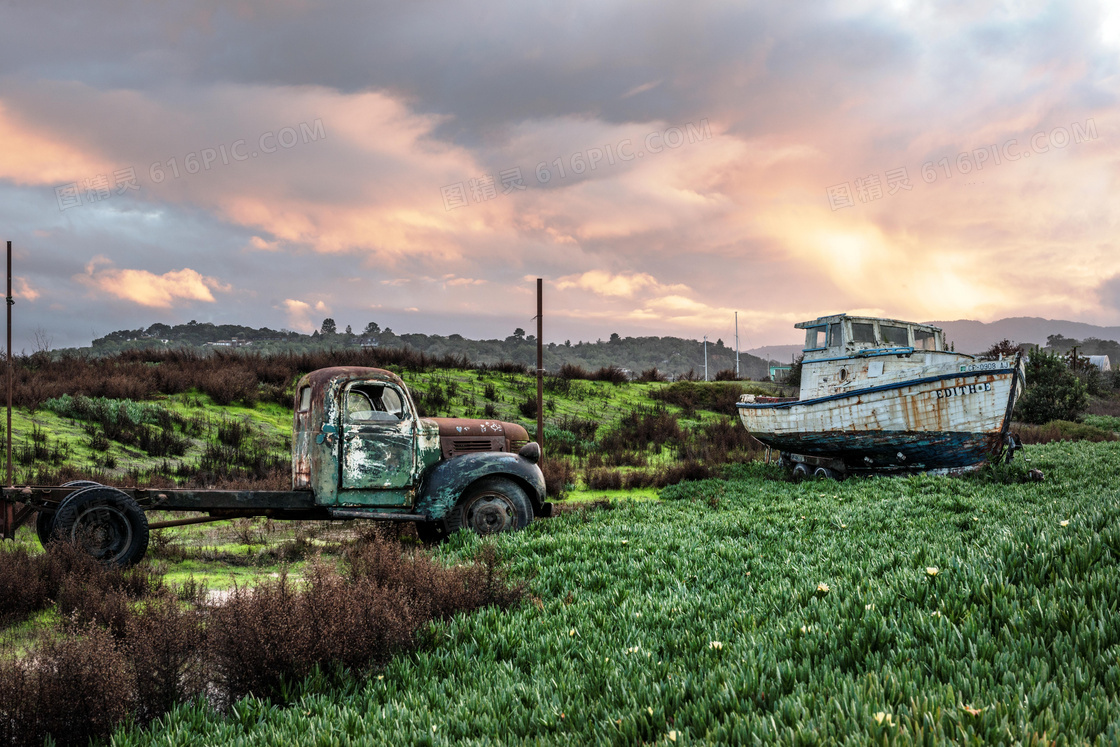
[
  {"x": 44, "y": 520},
  {"x": 490, "y": 506},
  {"x": 104, "y": 522}
]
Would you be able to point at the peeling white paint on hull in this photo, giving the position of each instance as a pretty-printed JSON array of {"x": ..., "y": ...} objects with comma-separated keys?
[{"x": 946, "y": 415}]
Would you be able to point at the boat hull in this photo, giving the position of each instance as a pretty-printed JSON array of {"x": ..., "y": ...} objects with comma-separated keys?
[{"x": 942, "y": 417}]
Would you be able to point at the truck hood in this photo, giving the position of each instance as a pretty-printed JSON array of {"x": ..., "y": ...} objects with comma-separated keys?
[{"x": 468, "y": 427}]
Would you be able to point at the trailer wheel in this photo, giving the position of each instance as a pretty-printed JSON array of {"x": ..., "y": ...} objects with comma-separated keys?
[
  {"x": 44, "y": 526},
  {"x": 104, "y": 522},
  {"x": 491, "y": 505},
  {"x": 801, "y": 472},
  {"x": 823, "y": 473},
  {"x": 44, "y": 520}
]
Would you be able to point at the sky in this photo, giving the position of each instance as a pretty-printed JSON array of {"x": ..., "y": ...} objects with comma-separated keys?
[{"x": 662, "y": 167}]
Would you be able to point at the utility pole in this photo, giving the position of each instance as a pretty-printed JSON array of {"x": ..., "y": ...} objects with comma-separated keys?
[
  {"x": 540, "y": 364},
  {"x": 8, "y": 518},
  {"x": 705, "y": 357},
  {"x": 736, "y": 344}
]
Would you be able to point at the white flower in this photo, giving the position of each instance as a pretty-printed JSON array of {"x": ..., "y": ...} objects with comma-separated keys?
[
  {"x": 931, "y": 570},
  {"x": 715, "y": 645}
]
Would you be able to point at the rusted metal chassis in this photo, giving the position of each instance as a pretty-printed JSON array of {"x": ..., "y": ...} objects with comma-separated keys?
[{"x": 219, "y": 504}]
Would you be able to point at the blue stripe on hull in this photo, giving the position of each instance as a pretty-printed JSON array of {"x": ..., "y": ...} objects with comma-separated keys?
[
  {"x": 856, "y": 393},
  {"x": 920, "y": 450}
]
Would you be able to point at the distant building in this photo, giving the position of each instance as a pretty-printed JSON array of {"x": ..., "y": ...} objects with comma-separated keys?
[{"x": 778, "y": 372}]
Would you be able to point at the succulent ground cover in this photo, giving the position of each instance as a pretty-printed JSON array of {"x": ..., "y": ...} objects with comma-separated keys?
[{"x": 897, "y": 610}]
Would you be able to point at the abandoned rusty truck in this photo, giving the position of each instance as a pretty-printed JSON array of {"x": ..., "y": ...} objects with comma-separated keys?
[{"x": 360, "y": 450}]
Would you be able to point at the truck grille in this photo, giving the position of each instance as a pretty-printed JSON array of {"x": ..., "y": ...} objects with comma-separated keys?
[{"x": 453, "y": 446}]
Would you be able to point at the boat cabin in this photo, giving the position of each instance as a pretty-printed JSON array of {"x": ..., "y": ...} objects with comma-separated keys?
[{"x": 845, "y": 352}]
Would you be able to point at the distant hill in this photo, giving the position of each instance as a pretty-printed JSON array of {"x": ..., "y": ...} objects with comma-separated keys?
[
  {"x": 970, "y": 336},
  {"x": 672, "y": 356},
  {"x": 780, "y": 353}
]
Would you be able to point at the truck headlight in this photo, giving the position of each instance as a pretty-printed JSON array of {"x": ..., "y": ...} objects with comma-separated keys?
[{"x": 530, "y": 452}]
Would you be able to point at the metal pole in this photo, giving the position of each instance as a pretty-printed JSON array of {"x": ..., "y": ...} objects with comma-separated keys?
[
  {"x": 9, "y": 507},
  {"x": 736, "y": 344},
  {"x": 705, "y": 357},
  {"x": 540, "y": 364}
]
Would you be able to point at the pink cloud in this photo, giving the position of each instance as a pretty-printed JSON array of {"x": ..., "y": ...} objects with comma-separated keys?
[{"x": 148, "y": 289}]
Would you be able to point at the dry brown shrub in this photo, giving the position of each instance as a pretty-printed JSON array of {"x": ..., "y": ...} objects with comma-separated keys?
[
  {"x": 74, "y": 688},
  {"x": 558, "y": 474},
  {"x": 162, "y": 643},
  {"x": 273, "y": 634}
]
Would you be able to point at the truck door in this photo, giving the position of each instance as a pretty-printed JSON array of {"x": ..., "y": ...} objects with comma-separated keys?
[{"x": 378, "y": 438}]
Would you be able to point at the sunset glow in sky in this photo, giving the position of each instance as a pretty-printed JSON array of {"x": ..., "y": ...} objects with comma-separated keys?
[{"x": 662, "y": 167}]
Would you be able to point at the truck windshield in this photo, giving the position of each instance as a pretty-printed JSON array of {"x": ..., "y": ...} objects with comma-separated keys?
[{"x": 370, "y": 402}]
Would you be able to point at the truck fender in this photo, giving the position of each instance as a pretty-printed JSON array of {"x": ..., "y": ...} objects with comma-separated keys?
[{"x": 444, "y": 484}]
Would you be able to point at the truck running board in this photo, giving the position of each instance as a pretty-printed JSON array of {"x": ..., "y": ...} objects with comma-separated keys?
[{"x": 365, "y": 513}]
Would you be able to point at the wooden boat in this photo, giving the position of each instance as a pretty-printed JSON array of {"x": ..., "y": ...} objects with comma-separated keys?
[{"x": 882, "y": 395}]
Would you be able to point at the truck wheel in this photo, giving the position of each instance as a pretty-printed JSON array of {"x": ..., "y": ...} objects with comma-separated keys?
[
  {"x": 104, "y": 522},
  {"x": 44, "y": 520},
  {"x": 490, "y": 506},
  {"x": 431, "y": 532},
  {"x": 801, "y": 472}
]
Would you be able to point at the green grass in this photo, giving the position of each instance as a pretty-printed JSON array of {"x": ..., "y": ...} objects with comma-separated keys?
[
  {"x": 1104, "y": 422},
  {"x": 271, "y": 423},
  {"x": 896, "y": 610}
]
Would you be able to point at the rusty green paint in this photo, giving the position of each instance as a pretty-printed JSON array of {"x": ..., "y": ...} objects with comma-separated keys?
[
  {"x": 319, "y": 438},
  {"x": 399, "y": 464},
  {"x": 428, "y": 445},
  {"x": 446, "y": 482}
]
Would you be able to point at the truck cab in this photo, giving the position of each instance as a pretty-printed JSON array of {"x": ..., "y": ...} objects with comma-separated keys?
[{"x": 359, "y": 443}]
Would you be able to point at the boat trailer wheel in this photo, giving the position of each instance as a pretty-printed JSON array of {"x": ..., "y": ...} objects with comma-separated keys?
[{"x": 801, "y": 472}]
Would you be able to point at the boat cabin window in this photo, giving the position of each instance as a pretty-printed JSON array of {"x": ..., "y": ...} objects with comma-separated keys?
[
  {"x": 894, "y": 336},
  {"x": 925, "y": 339},
  {"x": 814, "y": 338},
  {"x": 863, "y": 332},
  {"x": 835, "y": 336}
]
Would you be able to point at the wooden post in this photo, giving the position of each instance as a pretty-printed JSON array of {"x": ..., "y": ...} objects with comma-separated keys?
[
  {"x": 540, "y": 364},
  {"x": 8, "y": 518}
]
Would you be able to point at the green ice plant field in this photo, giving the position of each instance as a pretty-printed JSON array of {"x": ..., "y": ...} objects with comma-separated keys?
[{"x": 886, "y": 610}]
